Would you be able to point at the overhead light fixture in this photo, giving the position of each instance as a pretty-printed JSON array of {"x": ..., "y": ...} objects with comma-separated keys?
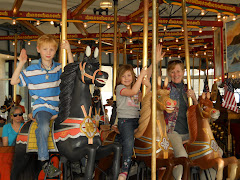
[
  {"x": 193, "y": 39},
  {"x": 128, "y": 26},
  {"x": 29, "y": 43},
  {"x": 202, "y": 12},
  {"x": 13, "y": 43},
  {"x": 85, "y": 25},
  {"x": 205, "y": 46},
  {"x": 164, "y": 28},
  {"x": 38, "y": 23},
  {"x": 130, "y": 40},
  {"x": 176, "y": 39},
  {"x": 79, "y": 42},
  {"x": 105, "y": 4},
  {"x": 182, "y": 29},
  {"x": 96, "y": 41},
  {"x": 74, "y": 55},
  {"x": 30, "y": 59},
  {"x": 106, "y": 53},
  {"x": 131, "y": 51},
  {"x": 108, "y": 26},
  {"x": 196, "y": 54},
  {"x": 179, "y": 48},
  {"x": 14, "y": 21},
  {"x": 205, "y": 53},
  {"x": 170, "y": 57},
  {"x": 51, "y": 22},
  {"x": 213, "y": 28},
  {"x": 219, "y": 15},
  {"x": 200, "y": 30},
  {"x": 167, "y": 48},
  {"x": 234, "y": 18},
  {"x": 161, "y": 40},
  {"x": 179, "y": 56}
]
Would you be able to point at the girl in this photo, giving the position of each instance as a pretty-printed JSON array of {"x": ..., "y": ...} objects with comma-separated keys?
[
  {"x": 127, "y": 91},
  {"x": 10, "y": 130}
]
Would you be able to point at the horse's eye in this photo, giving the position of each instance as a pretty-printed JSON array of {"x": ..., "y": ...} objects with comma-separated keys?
[{"x": 159, "y": 96}]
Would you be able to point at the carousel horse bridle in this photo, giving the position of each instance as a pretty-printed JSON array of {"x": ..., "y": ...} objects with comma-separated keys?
[{"x": 83, "y": 73}]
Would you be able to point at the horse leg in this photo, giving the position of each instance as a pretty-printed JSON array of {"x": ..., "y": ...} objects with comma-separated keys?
[
  {"x": 169, "y": 164},
  {"x": 220, "y": 166},
  {"x": 20, "y": 161},
  {"x": 185, "y": 162},
  {"x": 232, "y": 163},
  {"x": 91, "y": 154},
  {"x": 104, "y": 151}
]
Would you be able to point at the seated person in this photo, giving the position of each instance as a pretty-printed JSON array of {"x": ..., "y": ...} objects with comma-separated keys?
[
  {"x": 10, "y": 130},
  {"x": 18, "y": 101}
]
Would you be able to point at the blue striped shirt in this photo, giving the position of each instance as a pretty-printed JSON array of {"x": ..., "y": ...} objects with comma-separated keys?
[{"x": 44, "y": 90}]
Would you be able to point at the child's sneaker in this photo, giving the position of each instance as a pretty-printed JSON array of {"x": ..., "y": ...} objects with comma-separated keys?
[{"x": 51, "y": 170}]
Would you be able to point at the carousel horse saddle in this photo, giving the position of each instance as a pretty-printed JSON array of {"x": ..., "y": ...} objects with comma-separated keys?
[{"x": 28, "y": 136}]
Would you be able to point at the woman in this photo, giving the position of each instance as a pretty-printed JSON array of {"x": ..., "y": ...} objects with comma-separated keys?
[
  {"x": 177, "y": 121},
  {"x": 10, "y": 130}
]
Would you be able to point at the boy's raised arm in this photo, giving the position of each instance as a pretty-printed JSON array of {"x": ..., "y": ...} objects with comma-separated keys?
[
  {"x": 22, "y": 60},
  {"x": 66, "y": 45}
]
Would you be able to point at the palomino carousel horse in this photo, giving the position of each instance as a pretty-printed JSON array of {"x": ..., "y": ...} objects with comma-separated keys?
[
  {"x": 143, "y": 134},
  {"x": 202, "y": 148},
  {"x": 75, "y": 133}
]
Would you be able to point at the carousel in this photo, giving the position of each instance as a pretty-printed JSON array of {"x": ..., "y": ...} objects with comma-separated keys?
[{"x": 103, "y": 34}]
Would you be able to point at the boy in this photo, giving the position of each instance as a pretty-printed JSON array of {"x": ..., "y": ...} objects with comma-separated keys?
[{"x": 43, "y": 81}]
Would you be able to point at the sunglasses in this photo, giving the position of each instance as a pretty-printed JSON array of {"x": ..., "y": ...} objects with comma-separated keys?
[
  {"x": 175, "y": 61},
  {"x": 20, "y": 114}
]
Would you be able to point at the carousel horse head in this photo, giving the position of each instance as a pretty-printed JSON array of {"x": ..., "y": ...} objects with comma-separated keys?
[
  {"x": 8, "y": 103},
  {"x": 206, "y": 107},
  {"x": 164, "y": 102}
]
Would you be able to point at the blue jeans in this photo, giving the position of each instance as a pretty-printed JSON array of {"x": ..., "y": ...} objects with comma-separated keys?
[
  {"x": 42, "y": 132},
  {"x": 126, "y": 128}
]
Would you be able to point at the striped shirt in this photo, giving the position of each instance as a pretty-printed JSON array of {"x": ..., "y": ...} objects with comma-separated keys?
[{"x": 43, "y": 86}]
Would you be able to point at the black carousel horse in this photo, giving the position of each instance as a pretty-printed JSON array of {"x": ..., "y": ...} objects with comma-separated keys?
[{"x": 75, "y": 134}]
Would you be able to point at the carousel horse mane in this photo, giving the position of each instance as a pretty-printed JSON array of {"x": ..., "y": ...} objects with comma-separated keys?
[
  {"x": 66, "y": 87},
  {"x": 145, "y": 114}
]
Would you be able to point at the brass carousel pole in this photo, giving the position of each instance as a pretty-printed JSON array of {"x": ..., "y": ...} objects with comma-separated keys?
[
  {"x": 100, "y": 45},
  {"x": 145, "y": 40},
  {"x": 64, "y": 33},
  {"x": 193, "y": 72},
  {"x": 115, "y": 48},
  {"x": 154, "y": 87},
  {"x": 15, "y": 66},
  {"x": 125, "y": 51},
  {"x": 184, "y": 14},
  {"x": 199, "y": 79}
]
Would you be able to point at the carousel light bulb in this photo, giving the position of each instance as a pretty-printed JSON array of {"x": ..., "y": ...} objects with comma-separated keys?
[
  {"x": 213, "y": 28},
  {"x": 186, "y": 9},
  {"x": 200, "y": 30},
  {"x": 205, "y": 54},
  {"x": 85, "y": 25},
  {"x": 161, "y": 40},
  {"x": 128, "y": 26},
  {"x": 219, "y": 19},
  {"x": 38, "y": 23},
  {"x": 179, "y": 48},
  {"x": 193, "y": 39},
  {"x": 196, "y": 54},
  {"x": 234, "y": 18},
  {"x": 210, "y": 62},
  {"x": 179, "y": 56},
  {"x": 205, "y": 46},
  {"x": 79, "y": 42},
  {"x": 170, "y": 57},
  {"x": 30, "y": 59},
  {"x": 29, "y": 43},
  {"x": 131, "y": 51},
  {"x": 182, "y": 29},
  {"x": 202, "y": 12},
  {"x": 14, "y": 21},
  {"x": 51, "y": 22},
  {"x": 225, "y": 76},
  {"x": 220, "y": 78},
  {"x": 106, "y": 53},
  {"x": 167, "y": 48},
  {"x": 219, "y": 15},
  {"x": 108, "y": 26},
  {"x": 130, "y": 40},
  {"x": 13, "y": 43},
  {"x": 176, "y": 39},
  {"x": 96, "y": 41},
  {"x": 164, "y": 28}
]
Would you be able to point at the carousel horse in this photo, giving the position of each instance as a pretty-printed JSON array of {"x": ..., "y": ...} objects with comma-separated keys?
[
  {"x": 98, "y": 114},
  {"x": 6, "y": 107},
  {"x": 202, "y": 148},
  {"x": 143, "y": 134},
  {"x": 75, "y": 133}
]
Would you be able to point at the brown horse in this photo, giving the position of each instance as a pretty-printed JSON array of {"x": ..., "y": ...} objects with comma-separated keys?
[
  {"x": 143, "y": 134},
  {"x": 202, "y": 147}
]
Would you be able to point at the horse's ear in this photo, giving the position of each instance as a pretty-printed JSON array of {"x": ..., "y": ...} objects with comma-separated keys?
[
  {"x": 166, "y": 83},
  {"x": 203, "y": 95},
  {"x": 96, "y": 51},
  {"x": 159, "y": 82},
  {"x": 208, "y": 95},
  {"x": 88, "y": 51}
]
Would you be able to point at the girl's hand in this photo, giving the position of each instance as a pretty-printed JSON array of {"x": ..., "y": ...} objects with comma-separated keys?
[
  {"x": 146, "y": 82},
  {"x": 143, "y": 72},
  {"x": 160, "y": 55},
  {"x": 65, "y": 45},
  {"x": 23, "y": 56}
]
